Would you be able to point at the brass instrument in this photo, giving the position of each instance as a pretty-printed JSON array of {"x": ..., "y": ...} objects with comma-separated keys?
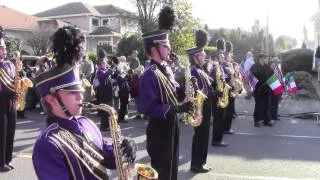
[
  {"x": 21, "y": 84},
  {"x": 197, "y": 97},
  {"x": 236, "y": 82},
  {"x": 222, "y": 87},
  {"x": 89, "y": 91},
  {"x": 25, "y": 84},
  {"x": 124, "y": 169}
]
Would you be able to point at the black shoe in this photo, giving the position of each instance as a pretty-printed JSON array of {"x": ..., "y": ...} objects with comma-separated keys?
[
  {"x": 203, "y": 169},
  {"x": 10, "y": 165},
  {"x": 5, "y": 168},
  {"x": 231, "y": 131},
  {"x": 123, "y": 121},
  {"x": 220, "y": 144},
  {"x": 257, "y": 124},
  {"x": 268, "y": 124}
]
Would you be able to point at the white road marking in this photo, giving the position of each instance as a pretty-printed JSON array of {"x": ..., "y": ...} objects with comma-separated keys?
[
  {"x": 280, "y": 135},
  {"x": 247, "y": 177}
]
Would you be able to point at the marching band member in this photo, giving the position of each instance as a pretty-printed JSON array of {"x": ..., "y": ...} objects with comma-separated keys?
[
  {"x": 159, "y": 101},
  {"x": 8, "y": 113},
  {"x": 122, "y": 80},
  {"x": 220, "y": 96},
  {"x": 104, "y": 76},
  {"x": 203, "y": 82},
  {"x": 71, "y": 147},
  {"x": 229, "y": 70}
]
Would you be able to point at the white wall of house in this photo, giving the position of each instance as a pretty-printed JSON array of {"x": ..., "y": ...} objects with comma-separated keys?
[
  {"x": 83, "y": 22},
  {"x": 92, "y": 42}
]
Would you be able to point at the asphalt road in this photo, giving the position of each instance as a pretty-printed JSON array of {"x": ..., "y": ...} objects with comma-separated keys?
[{"x": 287, "y": 151}]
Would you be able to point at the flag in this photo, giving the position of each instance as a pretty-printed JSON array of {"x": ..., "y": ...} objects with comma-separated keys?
[
  {"x": 246, "y": 74},
  {"x": 252, "y": 79},
  {"x": 278, "y": 73},
  {"x": 291, "y": 84},
  {"x": 275, "y": 85}
]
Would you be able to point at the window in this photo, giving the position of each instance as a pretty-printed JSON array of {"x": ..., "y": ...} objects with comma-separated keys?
[
  {"x": 109, "y": 21},
  {"x": 106, "y": 22},
  {"x": 95, "y": 22},
  {"x": 104, "y": 43}
]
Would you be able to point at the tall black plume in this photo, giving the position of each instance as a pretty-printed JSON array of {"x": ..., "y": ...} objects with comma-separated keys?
[
  {"x": 167, "y": 18},
  {"x": 201, "y": 38}
]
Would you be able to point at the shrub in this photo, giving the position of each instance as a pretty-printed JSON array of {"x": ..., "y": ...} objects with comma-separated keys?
[
  {"x": 304, "y": 81},
  {"x": 210, "y": 49},
  {"x": 92, "y": 55},
  {"x": 297, "y": 60},
  {"x": 134, "y": 42}
]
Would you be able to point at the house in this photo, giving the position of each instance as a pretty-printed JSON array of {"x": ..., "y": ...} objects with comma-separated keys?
[
  {"x": 17, "y": 25},
  {"x": 102, "y": 25},
  {"x": 25, "y": 27}
]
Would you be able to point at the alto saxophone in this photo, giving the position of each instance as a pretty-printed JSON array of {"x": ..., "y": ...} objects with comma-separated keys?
[
  {"x": 25, "y": 84},
  {"x": 197, "y": 97},
  {"x": 124, "y": 169},
  {"x": 236, "y": 82},
  {"x": 222, "y": 87}
]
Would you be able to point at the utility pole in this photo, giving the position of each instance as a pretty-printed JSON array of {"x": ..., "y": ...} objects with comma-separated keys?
[{"x": 267, "y": 34}]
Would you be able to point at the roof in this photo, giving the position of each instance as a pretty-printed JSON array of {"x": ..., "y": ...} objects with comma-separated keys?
[
  {"x": 69, "y": 9},
  {"x": 16, "y": 19},
  {"x": 58, "y": 22},
  {"x": 102, "y": 31},
  {"x": 111, "y": 9}
]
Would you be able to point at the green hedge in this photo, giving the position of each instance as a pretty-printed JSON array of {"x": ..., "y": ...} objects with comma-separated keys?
[{"x": 297, "y": 60}]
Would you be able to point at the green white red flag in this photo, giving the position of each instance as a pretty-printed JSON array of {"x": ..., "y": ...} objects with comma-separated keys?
[
  {"x": 291, "y": 84},
  {"x": 275, "y": 85}
]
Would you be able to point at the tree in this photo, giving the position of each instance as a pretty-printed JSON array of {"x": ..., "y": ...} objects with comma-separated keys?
[
  {"x": 134, "y": 42},
  {"x": 12, "y": 45},
  {"x": 285, "y": 43},
  {"x": 38, "y": 40},
  {"x": 304, "y": 46},
  {"x": 305, "y": 34},
  {"x": 182, "y": 38},
  {"x": 147, "y": 13}
]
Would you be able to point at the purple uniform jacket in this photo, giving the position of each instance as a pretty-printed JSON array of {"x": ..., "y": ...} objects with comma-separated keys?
[
  {"x": 227, "y": 75},
  {"x": 154, "y": 97},
  {"x": 6, "y": 76},
  {"x": 52, "y": 160},
  {"x": 204, "y": 82},
  {"x": 105, "y": 77}
]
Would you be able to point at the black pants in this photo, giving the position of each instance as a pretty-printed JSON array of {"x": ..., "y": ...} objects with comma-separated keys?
[
  {"x": 104, "y": 118},
  {"x": 261, "y": 108},
  {"x": 200, "y": 139},
  {"x": 274, "y": 104},
  {"x": 163, "y": 146},
  {"x": 218, "y": 123},
  {"x": 124, "y": 101},
  {"x": 229, "y": 114},
  {"x": 8, "y": 118}
]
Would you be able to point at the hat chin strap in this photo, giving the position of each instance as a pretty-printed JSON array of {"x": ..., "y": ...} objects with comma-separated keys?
[
  {"x": 158, "y": 50},
  {"x": 65, "y": 110}
]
